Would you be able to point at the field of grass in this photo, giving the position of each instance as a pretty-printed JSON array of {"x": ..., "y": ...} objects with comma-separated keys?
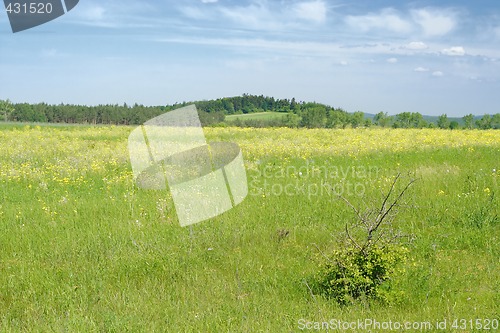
[
  {"x": 84, "y": 250},
  {"x": 256, "y": 116}
]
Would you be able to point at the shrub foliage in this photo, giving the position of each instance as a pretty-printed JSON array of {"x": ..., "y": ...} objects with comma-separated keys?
[{"x": 370, "y": 254}]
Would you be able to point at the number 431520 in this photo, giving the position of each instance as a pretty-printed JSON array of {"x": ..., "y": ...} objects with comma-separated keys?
[
  {"x": 478, "y": 324},
  {"x": 29, "y": 8}
]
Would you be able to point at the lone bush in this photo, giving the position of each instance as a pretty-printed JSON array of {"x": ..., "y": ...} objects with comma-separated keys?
[
  {"x": 369, "y": 256},
  {"x": 351, "y": 274}
]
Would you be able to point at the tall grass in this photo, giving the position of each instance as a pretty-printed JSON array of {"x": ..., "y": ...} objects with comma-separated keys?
[{"x": 83, "y": 249}]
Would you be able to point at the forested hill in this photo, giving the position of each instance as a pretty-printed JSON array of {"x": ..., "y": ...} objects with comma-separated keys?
[
  {"x": 282, "y": 112},
  {"x": 212, "y": 111},
  {"x": 249, "y": 104}
]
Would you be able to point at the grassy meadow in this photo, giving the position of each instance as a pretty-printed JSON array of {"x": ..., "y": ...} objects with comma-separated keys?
[
  {"x": 256, "y": 116},
  {"x": 84, "y": 250}
]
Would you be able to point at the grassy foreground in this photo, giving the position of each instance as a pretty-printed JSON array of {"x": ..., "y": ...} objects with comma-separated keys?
[{"x": 84, "y": 250}]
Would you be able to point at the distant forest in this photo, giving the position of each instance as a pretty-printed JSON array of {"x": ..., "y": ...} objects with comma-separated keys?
[{"x": 213, "y": 113}]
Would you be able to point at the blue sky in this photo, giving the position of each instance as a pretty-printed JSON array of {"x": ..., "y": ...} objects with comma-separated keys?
[{"x": 431, "y": 57}]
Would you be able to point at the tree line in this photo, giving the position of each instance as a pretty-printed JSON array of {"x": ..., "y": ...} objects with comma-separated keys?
[
  {"x": 213, "y": 112},
  {"x": 416, "y": 120}
]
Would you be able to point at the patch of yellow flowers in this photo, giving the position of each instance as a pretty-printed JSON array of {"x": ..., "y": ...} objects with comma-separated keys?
[
  {"x": 70, "y": 155},
  {"x": 63, "y": 155},
  {"x": 307, "y": 143}
]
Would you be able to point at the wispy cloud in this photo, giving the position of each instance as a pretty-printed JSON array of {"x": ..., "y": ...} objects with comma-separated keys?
[
  {"x": 300, "y": 47},
  {"x": 314, "y": 11},
  {"x": 308, "y": 48},
  {"x": 434, "y": 73},
  {"x": 255, "y": 16},
  {"x": 416, "y": 46},
  {"x": 193, "y": 12},
  {"x": 261, "y": 14},
  {"x": 421, "y": 70},
  {"x": 388, "y": 19},
  {"x": 92, "y": 13},
  {"x": 51, "y": 53},
  {"x": 455, "y": 51},
  {"x": 497, "y": 32},
  {"x": 435, "y": 22},
  {"x": 113, "y": 14},
  {"x": 429, "y": 22}
]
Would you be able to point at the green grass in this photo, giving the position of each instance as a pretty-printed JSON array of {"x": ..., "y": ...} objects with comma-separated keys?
[
  {"x": 97, "y": 254},
  {"x": 256, "y": 116}
]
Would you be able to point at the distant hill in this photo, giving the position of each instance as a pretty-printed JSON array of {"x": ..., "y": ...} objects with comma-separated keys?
[{"x": 244, "y": 110}]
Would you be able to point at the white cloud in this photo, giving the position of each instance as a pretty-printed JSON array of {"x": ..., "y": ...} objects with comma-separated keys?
[
  {"x": 209, "y": 1},
  {"x": 344, "y": 63},
  {"x": 392, "y": 60},
  {"x": 256, "y": 16},
  {"x": 432, "y": 22},
  {"x": 456, "y": 51},
  {"x": 94, "y": 13},
  {"x": 421, "y": 69},
  {"x": 435, "y": 22},
  {"x": 110, "y": 14},
  {"x": 437, "y": 73},
  {"x": 416, "y": 46},
  {"x": 301, "y": 48},
  {"x": 49, "y": 53},
  {"x": 388, "y": 19},
  {"x": 314, "y": 11},
  {"x": 194, "y": 12},
  {"x": 269, "y": 15}
]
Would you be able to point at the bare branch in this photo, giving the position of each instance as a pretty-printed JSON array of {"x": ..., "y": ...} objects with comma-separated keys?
[
  {"x": 382, "y": 208},
  {"x": 322, "y": 253},
  {"x": 384, "y": 216},
  {"x": 310, "y": 290},
  {"x": 353, "y": 208},
  {"x": 395, "y": 202},
  {"x": 382, "y": 234},
  {"x": 352, "y": 240}
]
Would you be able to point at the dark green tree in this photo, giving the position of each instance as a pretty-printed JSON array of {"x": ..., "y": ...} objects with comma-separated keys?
[
  {"x": 443, "y": 121},
  {"x": 417, "y": 120},
  {"x": 294, "y": 106},
  {"x": 337, "y": 118},
  {"x": 495, "y": 121},
  {"x": 314, "y": 117},
  {"x": 292, "y": 120},
  {"x": 357, "y": 119},
  {"x": 484, "y": 122},
  {"x": 403, "y": 120},
  {"x": 6, "y": 108},
  {"x": 454, "y": 125},
  {"x": 382, "y": 119},
  {"x": 468, "y": 121}
]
